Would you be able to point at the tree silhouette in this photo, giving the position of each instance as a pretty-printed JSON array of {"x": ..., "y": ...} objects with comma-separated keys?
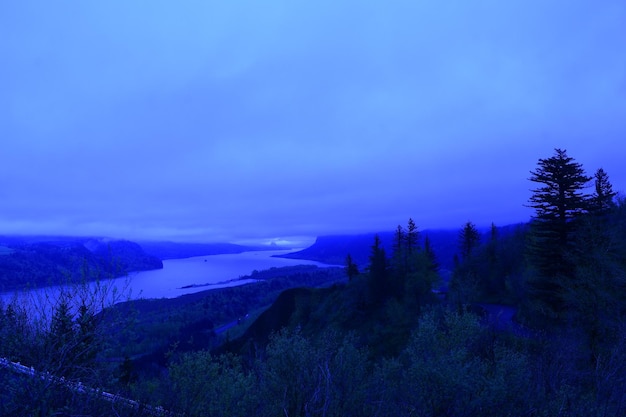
[
  {"x": 468, "y": 239},
  {"x": 378, "y": 274},
  {"x": 602, "y": 198},
  {"x": 430, "y": 254},
  {"x": 352, "y": 270},
  {"x": 559, "y": 198},
  {"x": 411, "y": 237},
  {"x": 558, "y": 202}
]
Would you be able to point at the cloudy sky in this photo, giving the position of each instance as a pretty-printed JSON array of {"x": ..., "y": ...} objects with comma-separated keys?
[{"x": 277, "y": 119}]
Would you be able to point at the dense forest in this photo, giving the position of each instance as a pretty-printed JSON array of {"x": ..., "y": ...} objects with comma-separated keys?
[
  {"x": 529, "y": 321},
  {"x": 42, "y": 261}
]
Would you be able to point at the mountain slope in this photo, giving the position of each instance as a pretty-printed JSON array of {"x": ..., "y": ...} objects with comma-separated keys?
[
  {"x": 40, "y": 261},
  {"x": 334, "y": 249}
]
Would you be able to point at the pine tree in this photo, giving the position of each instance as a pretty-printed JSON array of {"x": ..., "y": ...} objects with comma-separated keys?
[
  {"x": 399, "y": 255},
  {"x": 602, "y": 198},
  {"x": 411, "y": 237},
  {"x": 597, "y": 295},
  {"x": 378, "y": 274},
  {"x": 62, "y": 326},
  {"x": 352, "y": 270},
  {"x": 464, "y": 282},
  {"x": 561, "y": 197},
  {"x": 398, "y": 240},
  {"x": 399, "y": 264},
  {"x": 86, "y": 337},
  {"x": 404, "y": 259},
  {"x": 61, "y": 339},
  {"x": 430, "y": 254},
  {"x": 468, "y": 239},
  {"x": 558, "y": 202}
]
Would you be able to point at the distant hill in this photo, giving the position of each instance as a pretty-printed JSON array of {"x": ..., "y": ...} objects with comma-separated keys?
[
  {"x": 175, "y": 250},
  {"x": 35, "y": 261},
  {"x": 343, "y": 306},
  {"x": 333, "y": 249}
]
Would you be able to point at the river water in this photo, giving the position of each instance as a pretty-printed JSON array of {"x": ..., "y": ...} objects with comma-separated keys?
[
  {"x": 215, "y": 270},
  {"x": 178, "y": 277}
]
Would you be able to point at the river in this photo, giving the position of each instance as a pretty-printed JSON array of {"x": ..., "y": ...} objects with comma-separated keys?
[
  {"x": 178, "y": 277},
  {"x": 206, "y": 272}
]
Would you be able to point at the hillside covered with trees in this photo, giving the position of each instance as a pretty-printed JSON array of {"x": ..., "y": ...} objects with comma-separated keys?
[
  {"x": 391, "y": 336},
  {"x": 42, "y": 261}
]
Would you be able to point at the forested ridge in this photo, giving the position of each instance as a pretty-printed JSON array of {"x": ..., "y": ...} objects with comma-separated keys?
[
  {"x": 391, "y": 336},
  {"x": 42, "y": 261}
]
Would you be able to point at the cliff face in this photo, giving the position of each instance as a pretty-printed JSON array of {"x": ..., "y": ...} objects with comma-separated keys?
[{"x": 51, "y": 261}]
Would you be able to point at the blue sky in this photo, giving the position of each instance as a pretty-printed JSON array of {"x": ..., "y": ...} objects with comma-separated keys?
[{"x": 247, "y": 120}]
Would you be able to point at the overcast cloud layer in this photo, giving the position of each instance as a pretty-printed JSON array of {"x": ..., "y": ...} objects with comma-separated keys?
[{"x": 235, "y": 120}]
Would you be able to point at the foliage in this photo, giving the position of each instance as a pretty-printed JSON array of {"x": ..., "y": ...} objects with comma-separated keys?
[
  {"x": 301, "y": 377},
  {"x": 494, "y": 271},
  {"x": 558, "y": 203},
  {"x": 602, "y": 199},
  {"x": 352, "y": 270},
  {"x": 468, "y": 239},
  {"x": 62, "y": 335},
  {"x": 378, "y": 273},
  {"x": 596, "y": 296},
  {"x": 39, "y": 264},
  {"x": 422, "y": 278},
  {"x": 216, "y": 386},
  {"x": 189, "y": 322},
  {"x": 449, "y": 370},
  {"x": 379, "y": 343}
]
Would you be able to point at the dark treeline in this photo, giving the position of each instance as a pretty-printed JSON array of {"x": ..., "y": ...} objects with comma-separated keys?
[{"x": 395, "y": 336}]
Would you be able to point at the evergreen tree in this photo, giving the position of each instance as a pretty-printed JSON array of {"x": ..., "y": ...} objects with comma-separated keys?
[
  {"x": 468, "y": 239},
  {"x": 596, "y": 294},
  {"x": 464, "y": 285},
  {"x": 352, "y": 270},
  {"x": 378, "y": 274},
  {"x": 491, "y": 252},
  {"x": 398, "y": 240},
  {"x": 399, "y": 260},
  {"x": 430, "y": 254},
  {"x": 558, "y": 202},
  {"x": 411, "y": 237},
  {"x": 399, "y": 263},
  {"x": 62, "y": 332},
  {"x": 420, "y": 282},
  {"x": 405, "y": 260},
  {"x": 602, "y": 198},
  {"x": 560, "y": 197},
  {"x": 86, "y": 338},
  {"x": 17, "y": 339}
]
